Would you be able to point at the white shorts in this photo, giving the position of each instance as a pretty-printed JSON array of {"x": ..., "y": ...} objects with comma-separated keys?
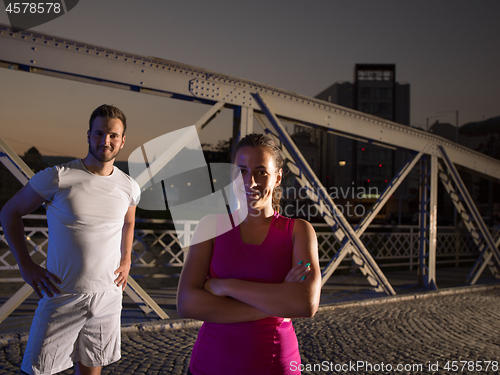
[{"x": 70, "y": 328}]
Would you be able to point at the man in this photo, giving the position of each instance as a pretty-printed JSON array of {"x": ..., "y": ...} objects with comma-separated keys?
[{"x": 91, "y": 215}]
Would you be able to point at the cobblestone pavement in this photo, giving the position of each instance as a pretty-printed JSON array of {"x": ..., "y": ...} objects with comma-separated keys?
[{"x": 422, "y": 336}]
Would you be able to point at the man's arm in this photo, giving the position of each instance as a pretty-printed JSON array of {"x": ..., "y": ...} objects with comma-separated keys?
[
  {"x": 126, "y": 248},
  {"x": 23, "y": 203}
]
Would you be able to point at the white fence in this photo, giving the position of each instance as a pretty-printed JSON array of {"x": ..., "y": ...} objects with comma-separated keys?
[
  {"x": 391, "y": 246},
  {"x": 398, "y": 246}
]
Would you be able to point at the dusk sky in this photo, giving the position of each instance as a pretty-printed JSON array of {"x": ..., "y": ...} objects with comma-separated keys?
[{"x": 447, "y": 50}]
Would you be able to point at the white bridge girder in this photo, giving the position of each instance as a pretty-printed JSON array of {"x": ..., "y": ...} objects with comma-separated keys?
[
  {"x": 83, "y": 62},
  {"x": 53, "y": 56}
]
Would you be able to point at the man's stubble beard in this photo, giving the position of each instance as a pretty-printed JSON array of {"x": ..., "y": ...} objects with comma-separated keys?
[{"x": 98, "y": 157}]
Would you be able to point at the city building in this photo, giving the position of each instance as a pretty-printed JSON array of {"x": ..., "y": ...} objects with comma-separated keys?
[{"x": 359, "y": 171}]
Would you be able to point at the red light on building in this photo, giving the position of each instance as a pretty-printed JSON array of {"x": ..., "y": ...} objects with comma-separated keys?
[
  {"x": 363, "y": 149},
  {"x": 368, "y": 180},
  {"x": 380, "y": 165}
]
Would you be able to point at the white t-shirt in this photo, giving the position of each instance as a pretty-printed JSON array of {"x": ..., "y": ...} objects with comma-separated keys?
[{"x": 85, "y": 216}]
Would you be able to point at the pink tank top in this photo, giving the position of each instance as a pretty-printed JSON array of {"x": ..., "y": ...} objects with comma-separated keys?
[{"x": 262, "y": 347}]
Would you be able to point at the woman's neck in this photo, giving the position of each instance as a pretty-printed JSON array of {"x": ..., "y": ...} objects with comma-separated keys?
[{"x": 256, "y": 216}]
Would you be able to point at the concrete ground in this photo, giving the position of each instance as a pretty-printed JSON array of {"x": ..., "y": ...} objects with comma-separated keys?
[{"x": 421, "y": 331}]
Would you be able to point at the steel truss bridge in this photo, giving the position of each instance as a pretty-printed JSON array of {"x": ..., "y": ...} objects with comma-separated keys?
[{"x": 270, "y": 107}]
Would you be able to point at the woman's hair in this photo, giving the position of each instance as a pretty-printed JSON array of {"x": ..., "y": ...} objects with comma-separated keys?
[{"x": 260, "y": 140}]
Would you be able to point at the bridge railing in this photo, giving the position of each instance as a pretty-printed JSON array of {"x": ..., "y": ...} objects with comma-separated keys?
[
  {"x": 398, "y": 246},
  {"x": 391, "y": 246}
]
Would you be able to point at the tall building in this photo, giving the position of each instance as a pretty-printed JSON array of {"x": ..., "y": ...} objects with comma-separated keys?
[{"x": 358, "y": 170}]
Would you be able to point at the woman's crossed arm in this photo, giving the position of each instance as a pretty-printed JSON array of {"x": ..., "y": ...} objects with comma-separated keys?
[{"x": 234, "y": 300}]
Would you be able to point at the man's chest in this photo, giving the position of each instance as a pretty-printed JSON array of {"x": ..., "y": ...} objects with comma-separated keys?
[{"x": 90, "y": 201}]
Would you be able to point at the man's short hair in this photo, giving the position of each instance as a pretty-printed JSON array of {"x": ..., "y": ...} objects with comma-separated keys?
[{"x": 108, "y": 111}]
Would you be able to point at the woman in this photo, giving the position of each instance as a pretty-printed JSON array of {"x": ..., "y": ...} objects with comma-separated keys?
[{"x": 248, "y": 282}]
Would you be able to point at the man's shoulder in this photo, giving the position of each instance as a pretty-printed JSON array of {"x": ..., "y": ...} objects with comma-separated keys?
[
  {"x": 58, "y": 167},
  {"x": 121, "y": 174},
  {"x": 48, "y": 181},
  {"x": 135, "y": 191},
  {"x": 72, "y": 164}
]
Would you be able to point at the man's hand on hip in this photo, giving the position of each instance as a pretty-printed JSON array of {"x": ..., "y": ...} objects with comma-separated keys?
[
  {"x": 41, "y": 280},
  {"x": 122, "y": 272}
]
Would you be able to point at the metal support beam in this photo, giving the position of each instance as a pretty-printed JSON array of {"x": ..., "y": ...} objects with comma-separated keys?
[
  {"x": 489, "y": 253},
  {"x": 145, "y": 302},
  {"x": 468, "y": 222},
  {"x": 428, "y": 222},
  {"x": 371, "y": 214},
  {"x": 317, "y": 193},
  {"x": 80, "y": 61},
  {"x": 242, "y": 123},
  {"x": 146, "y": 177},
  {"x": 23, "y": 173},
  {"x": 246, "y": 121},
  {"x": 14, "y": 163},
  {"x": 13, "y": 302},
  {"x": 43, "y": 54}
]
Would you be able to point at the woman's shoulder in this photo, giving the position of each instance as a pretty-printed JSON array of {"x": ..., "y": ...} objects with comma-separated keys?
[
  {"x": 213, "y": 226},
  {"x": 206, "y": 229},
  {"x": 302, "y": 227},
  {"x": 303, "y": 224},
  {"x": 294, "y": 221},
  {"x": 293, "y": 227},
  {"x": 283, "y": 223}
]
